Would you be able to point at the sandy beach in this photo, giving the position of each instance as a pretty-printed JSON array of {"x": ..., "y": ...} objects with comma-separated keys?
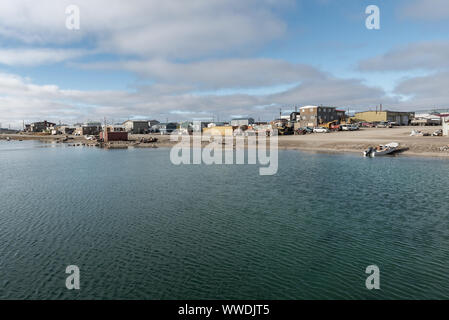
[
  {"x": 335, "y": 142},
  {"x": 357, "y": 141}
]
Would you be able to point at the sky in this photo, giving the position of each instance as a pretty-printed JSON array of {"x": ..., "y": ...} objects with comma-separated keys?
[{"x": 175, "y": 60}]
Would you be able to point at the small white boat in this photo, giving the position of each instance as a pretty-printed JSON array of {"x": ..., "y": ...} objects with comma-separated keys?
[{"x": 381, "y": 150}]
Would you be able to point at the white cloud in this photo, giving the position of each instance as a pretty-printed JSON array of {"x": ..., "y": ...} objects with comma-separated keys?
[
  {"x": 171, "y": 28},
  {"x": 14, "y": 85},
  {"x": 424, "y": 55},
  {"x": 426, "y": 91},
  {"x": 34, "y": 57}
]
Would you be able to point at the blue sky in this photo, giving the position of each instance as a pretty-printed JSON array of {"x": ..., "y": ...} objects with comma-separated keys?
[{"x": 191, "y": 59}]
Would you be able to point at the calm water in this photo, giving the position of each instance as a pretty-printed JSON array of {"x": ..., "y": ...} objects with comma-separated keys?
[{"x": 140, "y": 228}]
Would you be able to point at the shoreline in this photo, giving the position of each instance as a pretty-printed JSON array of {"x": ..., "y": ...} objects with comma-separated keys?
[{"x": 330, "y": 143}]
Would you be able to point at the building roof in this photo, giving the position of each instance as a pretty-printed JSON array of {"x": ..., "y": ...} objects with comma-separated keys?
[
  {"x": 92, "y": 124},
  {"x": 313, "y": 107},
  {"x": 45, "y": 121},
  {"x": 114, "y": 126},
  {"x": 133, "y": 121}
]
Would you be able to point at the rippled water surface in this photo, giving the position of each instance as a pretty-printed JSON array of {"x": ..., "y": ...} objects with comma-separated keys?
[{"x": 141, "y": 228}]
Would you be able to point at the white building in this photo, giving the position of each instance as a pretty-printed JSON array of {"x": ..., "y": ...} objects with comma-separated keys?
[
  {"x": 237, "y": 122},
  {"x": 152, "y": 123},
  {"x": 427, "y": 118}
]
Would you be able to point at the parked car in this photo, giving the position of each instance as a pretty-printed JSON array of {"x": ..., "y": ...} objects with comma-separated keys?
[
  {"x": 304, "y": 130},
  {"x": 300, "y": 131},
  {"x": 308, "y": 129},
  {"x": 384, "y": 124},
  {"x": 345, "y": 127},
  {"x": 368, "y": 124},
  {"x": 354, "y": 127},
  {"x": 321, "y": 130}
]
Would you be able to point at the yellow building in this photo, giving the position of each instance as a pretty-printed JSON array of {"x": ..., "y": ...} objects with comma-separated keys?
[
  {"x": 218, "y": 130},
  {"x": 401, "y": 118}
]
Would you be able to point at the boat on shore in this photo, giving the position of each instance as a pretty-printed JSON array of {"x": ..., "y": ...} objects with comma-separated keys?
[{"x": 381, "y": 150}]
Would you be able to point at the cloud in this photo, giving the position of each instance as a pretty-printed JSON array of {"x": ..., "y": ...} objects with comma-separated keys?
[
  {"x": 217, "y": 74},
  {"x": 426, "y": 91},
  {"x": 20, "y": 99},
  {"x": 34, "y": 57},
  {"x": 172, "y": 28},
  {"x": 182, "y": 51},
  {"x": 334, "y": 92},
  {"x": 14, "y": 85},
  {"x": 428, "y": 10},
  {"x": 424, "y": 55}
]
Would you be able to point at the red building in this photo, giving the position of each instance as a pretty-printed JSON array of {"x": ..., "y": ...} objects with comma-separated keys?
[{"x": 114, "y": 136}]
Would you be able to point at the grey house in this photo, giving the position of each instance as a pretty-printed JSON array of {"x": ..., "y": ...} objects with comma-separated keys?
[{"x": 136, "y": 126}]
